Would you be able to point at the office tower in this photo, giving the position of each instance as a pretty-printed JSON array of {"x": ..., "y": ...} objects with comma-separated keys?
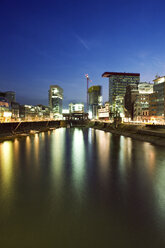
[
  {"x": 55, "y": 98},
  {"x": 117, "y": 87},
  {"x": 130, "y": 97},
  {"x": 159, "y": 89},
  {"x": 95, "y": 100}
]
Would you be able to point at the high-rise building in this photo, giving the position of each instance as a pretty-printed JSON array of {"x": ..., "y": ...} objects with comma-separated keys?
[
  {"x": 130, "y": 97},
  {"x": 55, "y": 98},
  {"x": 117, "y": 87},
  {"x": 153, "y": 104},
  {"x": 95, "y": 100},
  {"x": 159, "y": 89},
  {"x": 9, "y": 95}
]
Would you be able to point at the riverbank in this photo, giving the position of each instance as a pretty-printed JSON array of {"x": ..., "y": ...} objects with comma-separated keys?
[
  {"x": 154, "y": 134},
  {"x": 12, "y": 130},
  {"x": 12, "y": 136}
]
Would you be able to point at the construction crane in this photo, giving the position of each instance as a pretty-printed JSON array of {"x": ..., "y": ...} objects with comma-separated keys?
[{"x": 88, "y": 80}]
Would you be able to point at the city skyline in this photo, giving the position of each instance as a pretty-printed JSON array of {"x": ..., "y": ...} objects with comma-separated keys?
[{"x": 58, "y": 42}]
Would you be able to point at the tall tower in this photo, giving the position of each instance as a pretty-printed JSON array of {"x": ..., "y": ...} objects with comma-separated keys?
[
  {"x": 118, "y": 82},
  {"x": 95, "y": 100},
  {"x": 55, "y": 98}
]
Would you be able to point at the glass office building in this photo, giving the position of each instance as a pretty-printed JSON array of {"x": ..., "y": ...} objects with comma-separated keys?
[
  {"x": 55, "y": 98},
  {"x": 95, "y": 100},
  {"x": 118, "y": 82},
  {"x": 159, "y": 88}
]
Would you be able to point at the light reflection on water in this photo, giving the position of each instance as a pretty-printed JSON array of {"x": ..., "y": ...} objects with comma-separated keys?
[
  {"x": 78, "y": 158},
  {"x": 6, "y": 159},
  {"x": 57, "y": 155},
  {"x": 72, "y": 183},
  {"x": 28, "y": 149},
  {"x": 104, "y": 153},
  {"x": 36, "y": 148}
]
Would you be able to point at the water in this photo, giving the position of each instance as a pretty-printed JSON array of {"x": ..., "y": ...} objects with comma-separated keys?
[{"x": 81, "y": 188}]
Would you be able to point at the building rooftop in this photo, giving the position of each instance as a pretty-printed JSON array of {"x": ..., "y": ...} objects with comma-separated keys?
[
  {"x": 109, "y": 74},
  {"x": 94, "y": 88},
  {"x": 159, "y": 79}
]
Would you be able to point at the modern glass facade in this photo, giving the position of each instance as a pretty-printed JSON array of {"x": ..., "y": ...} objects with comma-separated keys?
[
  {"x": 95, "y": 100},
  {"x": 118, "y": 82},
  {"x": 159, "y": 88},
  {"x": 55, "y": 98}
]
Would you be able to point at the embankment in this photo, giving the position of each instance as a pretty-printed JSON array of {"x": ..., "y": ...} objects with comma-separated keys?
[
  {"x": 154, "y": 134},
  {"x": 14, "y": 129},
  {"x": 11, "y": 130}
]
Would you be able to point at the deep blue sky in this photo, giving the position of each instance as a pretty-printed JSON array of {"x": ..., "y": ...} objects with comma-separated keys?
[{"x": 58, "y": 42}]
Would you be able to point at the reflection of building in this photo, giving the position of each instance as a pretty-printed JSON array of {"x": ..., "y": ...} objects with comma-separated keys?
[
  {"x": 117, "y": 87},
  {"x": 55, "y": 98},
  {"x": 76, "y": 108},
  {"x": 95, "y": 100},
  {"x": 104, "y": 112}
]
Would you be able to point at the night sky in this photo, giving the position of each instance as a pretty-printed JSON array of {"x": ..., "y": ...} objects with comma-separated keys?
[{"x": 58, "y": 42}]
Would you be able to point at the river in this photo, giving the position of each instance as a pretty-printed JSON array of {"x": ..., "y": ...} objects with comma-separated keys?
[{"x": 81, "y": 188}]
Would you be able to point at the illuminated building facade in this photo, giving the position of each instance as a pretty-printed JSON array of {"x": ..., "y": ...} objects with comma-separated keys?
[
  {"x": 95, "y": 101},
  {"x": 153, "y": 104},
  {"x": 10, "y": 97},
  {"x": 31, "y": 113},
  {"x": 5, "y": 113},
  {"x": 117, "y": 88},
  {"x": 141, "y": 107},
  {"x": 76, "y": 108},
  {"x": 15, "y": 110},
  {"x": 104, "y": 112},
  {"x": 55, "y": 98},
  {"x": 159, "y": 89},
  {"x": 137, "y": 99}
]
